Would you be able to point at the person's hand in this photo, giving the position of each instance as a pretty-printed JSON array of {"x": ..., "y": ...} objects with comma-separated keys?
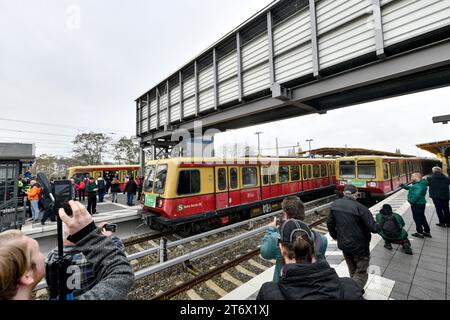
[
  {"x": 104, "y": 232},
  {"x": 273, "y": 224},
  {"x": 80, "y": 218}
]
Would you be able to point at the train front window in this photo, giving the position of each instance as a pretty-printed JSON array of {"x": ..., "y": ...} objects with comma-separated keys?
[
  {"x": 347, "y": 169},
  {"x": 366, "y": 169},
  {"x": 160, "y": 180},
  {"x": 149, "y": 178}
]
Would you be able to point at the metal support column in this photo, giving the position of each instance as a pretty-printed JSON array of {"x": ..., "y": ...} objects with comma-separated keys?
[
  {"x": 158, "y": 102},
  {"x": 138, "y": 133},
  {"x": 378, "y": 25},
  {"x": 215, "y": 79},
  {"x": 148, "y": 112},
  {"x": 314, "y": 38},
  {"x": 142, "y": 159},
  {"x": 168, "y": 103},
  {"x": 197, "y": 104},
  {"x": 180, "y": 75},
  {"x": 239, "y": 66},
  {"x": 271, "y": 50}
]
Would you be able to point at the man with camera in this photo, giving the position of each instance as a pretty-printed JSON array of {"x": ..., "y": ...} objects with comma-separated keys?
[{"x": 112, "y": 270}]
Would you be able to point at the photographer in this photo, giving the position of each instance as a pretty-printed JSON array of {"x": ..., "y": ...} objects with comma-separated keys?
[
  {"x": 293, "y": 208},
  {"x": 22, "y": 265}
]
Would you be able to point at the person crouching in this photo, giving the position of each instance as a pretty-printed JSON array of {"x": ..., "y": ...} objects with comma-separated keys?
[{"x": 392, "y": 230}]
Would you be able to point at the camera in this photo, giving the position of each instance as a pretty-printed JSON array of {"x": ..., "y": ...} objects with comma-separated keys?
[
  {"x": 110, "y": 227},
  {"x": 63, "y": 192},
  {"x": 279, "y": 221}
]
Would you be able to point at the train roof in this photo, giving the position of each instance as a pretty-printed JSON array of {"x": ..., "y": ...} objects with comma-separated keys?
[
  {"x": 239, "y": 160},
  {"x": 385, "y": 157},
  {"x": 349, "y": 152},
  {"x": 112, "y": 166}
]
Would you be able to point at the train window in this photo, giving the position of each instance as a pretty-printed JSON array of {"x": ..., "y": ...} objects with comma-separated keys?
[
  {"x": 347, "y": 169},
  {"x": 160, "y": 179},
  {"x": 385, "y": 171},
  {"x": 316, "y": 171},
  {"x": 149, "y": 178},
  {"x": 366, "y": 169},
  {"x": 273, "y": 174},
  {"x": 188, "y": 182},
  {"x": 305, "y": 172},
  {"x": 222, "y": 178},
  {"x": 310, "y": 171},
  {"x": 394, "y": 168},
  {"x": 295, "y": 173},
  {"x": 249, "y": 177},
  {"x": 233, "y": 178},
  {"x": 265, "y": 175},
  {"x": 323, "y": 170},
  {"x": 284, "y": 174}
]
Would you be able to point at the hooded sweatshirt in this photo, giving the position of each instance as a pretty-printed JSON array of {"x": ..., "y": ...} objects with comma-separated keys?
[{"x": 311, "y": 281}]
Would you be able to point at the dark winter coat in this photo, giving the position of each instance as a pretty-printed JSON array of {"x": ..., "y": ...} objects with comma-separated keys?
[
  {"x": 439, "y": 186},
  {"x": 351, "y": 224},
  {"x": 131, "y": 187},
  {"x": 115, "y": 187},
  {"x": 311, "y": 281}
]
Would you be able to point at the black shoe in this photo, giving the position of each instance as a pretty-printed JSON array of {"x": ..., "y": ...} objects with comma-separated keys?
[
  {"x": 388, "y": 246},
  {"x": 448, "y": 225},
  {"x": 442, "y": 225},
  {"x": 427, "y": 235},
  {"x": 418, "y": 235},
  {"x": 43, "y": 223}
]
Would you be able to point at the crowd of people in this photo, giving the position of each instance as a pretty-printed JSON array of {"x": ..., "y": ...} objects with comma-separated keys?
[
  {"x": 301, "y": 271},
  {"x": 88, "y": 187}
]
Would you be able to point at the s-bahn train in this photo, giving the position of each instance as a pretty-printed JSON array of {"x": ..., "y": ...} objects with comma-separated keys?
[
  {"x": 377, "y": 177},
  {"x": 192, "y": 195}
]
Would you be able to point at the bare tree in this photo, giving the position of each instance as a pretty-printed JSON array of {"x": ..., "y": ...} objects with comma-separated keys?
[
  {"x": 126, "y": 151},
  {"x": 53, "y": 166},
  {"x": 89, "y": 148}
]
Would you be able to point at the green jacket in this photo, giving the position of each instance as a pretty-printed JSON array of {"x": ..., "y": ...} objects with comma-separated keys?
[
  {"x": 400, "y": 222},
  {"x": 270, "y": 250},
  {"x": 417, "y": 192},
  {"x": 90, "y": 187}
]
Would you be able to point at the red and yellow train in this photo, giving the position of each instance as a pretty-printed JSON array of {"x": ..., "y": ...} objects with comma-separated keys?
[
  {"x": 377, "y": 177},
  {"x": 191, "y": 195}
]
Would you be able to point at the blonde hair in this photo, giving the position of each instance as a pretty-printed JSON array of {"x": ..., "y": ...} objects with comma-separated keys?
[{"x": 15, "y": 261}]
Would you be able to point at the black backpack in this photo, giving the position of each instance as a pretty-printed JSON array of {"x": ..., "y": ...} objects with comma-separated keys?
[{"x": 390, "y": 227}]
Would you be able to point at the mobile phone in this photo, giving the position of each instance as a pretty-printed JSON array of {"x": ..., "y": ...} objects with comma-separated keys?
[{"x": 110, "y": 227}]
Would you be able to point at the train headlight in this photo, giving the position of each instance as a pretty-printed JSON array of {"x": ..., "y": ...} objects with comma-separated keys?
[
  {"x": 159, "y": 203},
  {"x": 342, "y": 183},
  {"x": 372, "y": 184}
]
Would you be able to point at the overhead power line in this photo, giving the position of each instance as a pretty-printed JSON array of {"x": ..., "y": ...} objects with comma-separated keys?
[{"x": 64, "y": 125}]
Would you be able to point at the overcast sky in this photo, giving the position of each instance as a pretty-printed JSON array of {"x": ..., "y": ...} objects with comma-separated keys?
[{"x": 81, "y": 64}]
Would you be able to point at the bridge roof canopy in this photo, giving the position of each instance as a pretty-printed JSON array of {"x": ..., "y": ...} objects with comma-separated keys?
[{"x": 436, "y": 148}]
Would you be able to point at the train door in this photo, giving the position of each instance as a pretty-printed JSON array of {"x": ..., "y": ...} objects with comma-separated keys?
[
  {"x": 306, "y": 177},
  {"x": 274, "y": 192},
  {"x": 265, "y": 182},
  {"x": 221, "y": 188},
  {"x": 234, "y": 194}
]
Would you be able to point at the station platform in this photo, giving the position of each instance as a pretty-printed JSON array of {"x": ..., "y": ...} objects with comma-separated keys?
[
  {"x": 393, "y": 275},
  {"x": 127, "y": 218}
]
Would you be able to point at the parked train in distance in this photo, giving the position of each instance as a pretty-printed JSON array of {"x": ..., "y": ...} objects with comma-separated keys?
[
  {"x": 191, "y": 195},
  {"x": 377, "y": 177}
]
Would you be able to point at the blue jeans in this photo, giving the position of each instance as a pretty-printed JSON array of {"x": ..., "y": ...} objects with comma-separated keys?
[
  {"x": 130, "y": 197},
  {"x": 101, "y": 194},
  {"x": 35, "y": 209}
]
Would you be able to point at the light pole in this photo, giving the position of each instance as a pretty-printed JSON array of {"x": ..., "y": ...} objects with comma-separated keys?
[
  {"x": 309, "y": 141},
  {"x": 259, "y": 149}
]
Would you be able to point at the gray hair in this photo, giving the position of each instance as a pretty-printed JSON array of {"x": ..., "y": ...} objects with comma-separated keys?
[{"x": 437, "y": 170}]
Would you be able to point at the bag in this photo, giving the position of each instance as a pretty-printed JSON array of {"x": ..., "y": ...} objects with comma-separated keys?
[{"x": 390, "y": 227}]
